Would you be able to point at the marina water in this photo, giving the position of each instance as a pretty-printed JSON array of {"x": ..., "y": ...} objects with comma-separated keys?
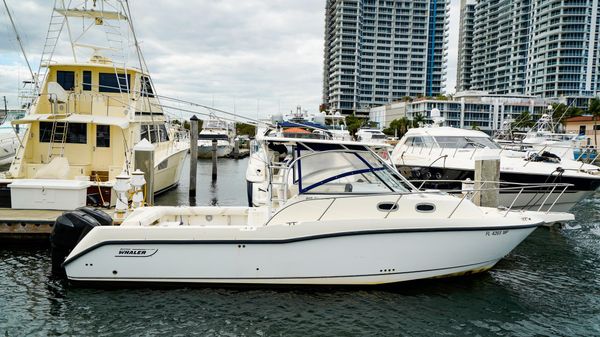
[{"x": 548, "y": 286}]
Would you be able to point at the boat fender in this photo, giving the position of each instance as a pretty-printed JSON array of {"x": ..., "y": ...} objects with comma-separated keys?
[{"x": 68, "y": 230}]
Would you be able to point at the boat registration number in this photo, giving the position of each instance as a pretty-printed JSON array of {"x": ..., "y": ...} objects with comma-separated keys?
[{"x": 496, "y": 233}]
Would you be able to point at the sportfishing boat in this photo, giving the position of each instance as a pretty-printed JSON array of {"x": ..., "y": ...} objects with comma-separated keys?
[
  {"x": 221, "y": 131},
  {"x": 444, "y": 157},
  {"x": 88, "y": 115},
  {"x": 335, "y": 213},
  {"x": 542, "y": 137},
  {"x": 336, "y": 125}
]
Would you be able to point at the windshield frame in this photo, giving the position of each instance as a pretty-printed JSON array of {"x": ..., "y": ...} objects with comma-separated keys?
[{"x": 382, "y": 172}]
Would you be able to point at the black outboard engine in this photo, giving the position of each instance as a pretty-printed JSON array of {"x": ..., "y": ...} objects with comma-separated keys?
[
  {"x": 103, "y": 218},
  {"x": 69, "y": 229}
]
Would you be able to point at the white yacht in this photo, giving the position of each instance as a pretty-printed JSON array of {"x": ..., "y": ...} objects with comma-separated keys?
[
  {"x": 542, "y": 138},
  {"x": 442, "y": 157},
  {"x": 88, "y": 115},
  {"x": 335, "y": 213},
  {"x": 371, "y": 135},
  {"x": 221, "y": 131},
  {"x": 10, "y": 135},
  {"x": 336, "y": 125}
]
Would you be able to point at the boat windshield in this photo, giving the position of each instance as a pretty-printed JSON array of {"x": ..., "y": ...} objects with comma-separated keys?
[
  {"x": 345, "y": 172},
  {"x": 463, "y": 142}
]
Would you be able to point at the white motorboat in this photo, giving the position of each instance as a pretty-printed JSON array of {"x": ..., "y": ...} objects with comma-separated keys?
[
  {"x": 336, "y": 126},
  {"x": 221, "y": 131},
  {"x": 10, "y": 135},
  {"x": 542, "y": 138},
  {"x": 371, "y": 135},
  {"x": 88, "y": 115},
  {"x": 335, "y": 213},
  {"x": 442, "y": 157}
]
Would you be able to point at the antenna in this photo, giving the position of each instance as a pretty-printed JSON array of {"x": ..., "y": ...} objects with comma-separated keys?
[{"x": 18, "y": 40}]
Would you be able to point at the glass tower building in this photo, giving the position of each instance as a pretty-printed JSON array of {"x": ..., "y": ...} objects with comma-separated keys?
[
  {"x": 380, "y": 51},
  {"x": 546, "y": 48}
]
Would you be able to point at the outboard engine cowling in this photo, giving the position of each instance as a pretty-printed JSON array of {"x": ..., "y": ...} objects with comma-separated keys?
[
  {"x": 103, "y": 218},
  {"x": 68, "y": 230}
]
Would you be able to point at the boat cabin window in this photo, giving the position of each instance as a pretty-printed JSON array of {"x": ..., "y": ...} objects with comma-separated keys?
[
  {"x": 345, "y": 172},
  {"x": 420, "y": 141},
  {"x": 163, "y": 134},
  {"x": 66, "y": 79},
  {"x": 76, "y": 133},
  {"x": 208, "y": 136},
  {"x": 154, "y": 133},
  {"x": 462, "y": 142},
  {"x": 146, "y": 87},
  {"x": 87, "y": 80},
  {"x": 111, "y": 82},
  {"x": 102, "y": 135}
]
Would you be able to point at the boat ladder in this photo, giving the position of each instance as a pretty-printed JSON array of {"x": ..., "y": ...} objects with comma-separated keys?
[
  {"x": 57, "y": 23},
  {"x": 279, "y": 187},
  {"x": 58, "y": 138}
]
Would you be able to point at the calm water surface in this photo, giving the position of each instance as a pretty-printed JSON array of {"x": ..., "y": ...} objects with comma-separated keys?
[{"x": 548, "y": 286}]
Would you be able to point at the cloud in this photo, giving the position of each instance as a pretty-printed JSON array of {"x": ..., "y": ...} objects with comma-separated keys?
[{"x": 251, "y": 54}]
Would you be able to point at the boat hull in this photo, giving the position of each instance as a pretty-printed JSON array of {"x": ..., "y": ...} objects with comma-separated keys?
[
  {"x": 529, "y": 199},
  {"x": 205, "y": 151},
  {"x": 350, "y": 258},
  {"x": 166, "y": 175}
]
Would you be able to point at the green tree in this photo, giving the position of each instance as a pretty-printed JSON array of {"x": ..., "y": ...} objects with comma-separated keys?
[
  {"x": 354, "y": 123},
  {"x": 561, "y": 112},
  {"x": 245, "y": 129},
  {"x": 523, "y": 121},
  {"x": 418, "y": 119},
  {"x": 397, "y": 127},
  {"x": 594, "y": 110}
]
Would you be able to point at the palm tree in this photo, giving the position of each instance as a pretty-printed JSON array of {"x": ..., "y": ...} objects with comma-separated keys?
[
  {"x": 594, "y": 110},
  {"x": 523, "y": 121},
  {"x": 418, "y": 119}
]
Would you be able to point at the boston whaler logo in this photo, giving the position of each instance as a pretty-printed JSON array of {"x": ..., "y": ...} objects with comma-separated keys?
[{"x": 136, "y": 252}]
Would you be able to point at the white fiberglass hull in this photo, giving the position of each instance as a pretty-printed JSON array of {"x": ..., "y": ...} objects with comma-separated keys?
[
  {"x": 205, "y": 151},
  {"x": 347, "y": 258},
  {"x": 167, "y": 174},
  {"x": 531, "y": 201}
]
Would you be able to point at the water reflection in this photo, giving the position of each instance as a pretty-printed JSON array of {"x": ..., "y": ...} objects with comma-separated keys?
[{"x": 228, "y": 190}]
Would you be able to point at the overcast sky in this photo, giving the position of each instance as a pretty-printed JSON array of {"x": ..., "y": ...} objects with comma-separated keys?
[{"x": 259, "y": 56}]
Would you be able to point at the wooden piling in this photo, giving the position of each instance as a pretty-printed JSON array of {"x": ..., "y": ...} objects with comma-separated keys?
[
  {"x": 144, "y": 161},
  {"x": 214, "y": 159},
  {"x": 487, "y": 176},
  {"x": 236, "y": 148},
  {"x": 193, "y": 155}
]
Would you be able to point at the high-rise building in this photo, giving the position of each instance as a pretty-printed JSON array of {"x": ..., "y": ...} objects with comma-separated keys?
[
  {"x": 465, "y": 38},
  {"x": 546, "y": 48},
  {"x": 379, "y": 51}
]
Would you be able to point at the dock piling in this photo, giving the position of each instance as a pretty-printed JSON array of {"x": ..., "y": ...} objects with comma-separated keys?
[
  {"x": 487, "y": 176},
  {"x": 236, "y": 148},
  {"x": 144, "y": 161},
  {"x": 214, "y": 159},
  {"x": 193, "y": 155}
]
